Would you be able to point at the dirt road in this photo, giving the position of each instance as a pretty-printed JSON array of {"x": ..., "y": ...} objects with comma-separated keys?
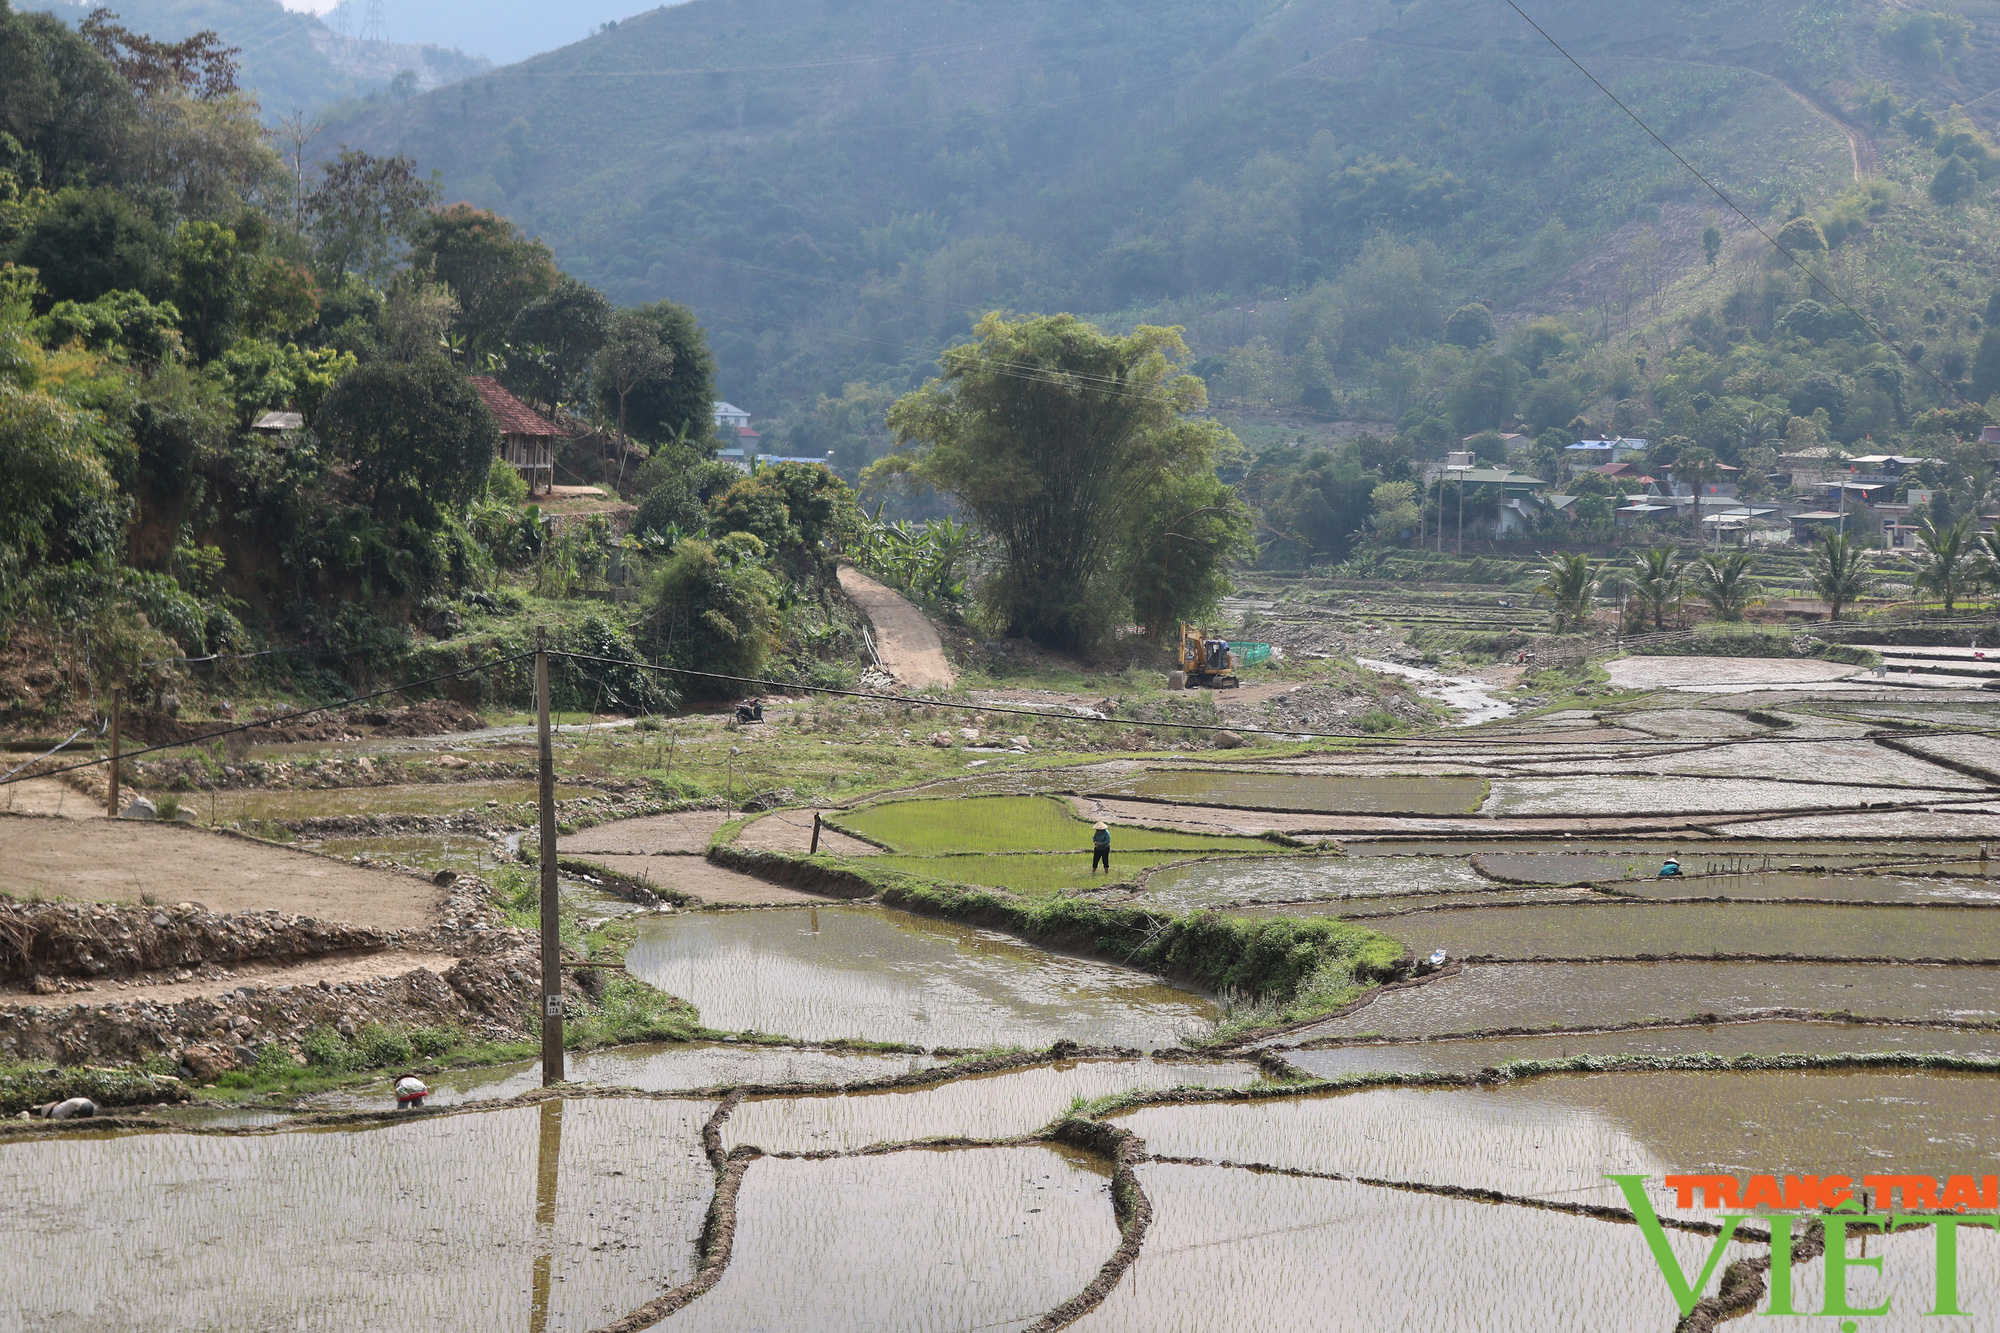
[{"x": 905, "y": 639}]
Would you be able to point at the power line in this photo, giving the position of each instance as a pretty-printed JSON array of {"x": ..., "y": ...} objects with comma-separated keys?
[{"x": 1719, "y": 193}]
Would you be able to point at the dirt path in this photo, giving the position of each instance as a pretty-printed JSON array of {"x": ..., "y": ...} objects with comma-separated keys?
[
  {"x": 130, "y": 861},
  {"x": 46, "y": 796},
  {"x": 351, "y": 967},
  {"x": 686, "y": 832},
  {"x": 906, "y": 641}
]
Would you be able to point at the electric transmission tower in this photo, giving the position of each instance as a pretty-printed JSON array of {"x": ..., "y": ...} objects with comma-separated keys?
[{"x": 373, "y": 27}]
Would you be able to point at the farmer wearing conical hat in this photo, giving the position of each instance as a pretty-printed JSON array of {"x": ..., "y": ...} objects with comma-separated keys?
[{"x": 1100, "y": 847}]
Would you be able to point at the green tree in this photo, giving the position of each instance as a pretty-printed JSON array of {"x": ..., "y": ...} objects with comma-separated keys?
[
  {"x": 1711, "y": 244},
  {"x": 489, "y": 265},
  {"x": 1470, "y": 325},
  {"x": 1192, "y": 528},
  {"x": 1724, "y": 581},
  {"x": 1658, "y": 581},
  {"x": 1697, "y": 469},
  {"x": 48, "y": 472},
  {"x": 631, "y": 355},
  {"x": 681, "y": 404},
  {"x": 562, "y": 333},
  {"x": 208, "y": 286},
  {"x": 1393, "y": 507},
  {"x": 1985, "y": 370},
  {"x": 714, "y": 609},
  {"x": 363, "y": 212},
  {"x": 90, "y": 242},
  {"x": 675, "y": 486},
  {"x": 124, "y": 323},
  {"x": 1802, "y": 237},
  {"x": 1955, "y": 182},
  {"x": 1840, "y": 572},
  {"x": 61, "y": 99},
  {"x": 1949, "y": 569},
  {"x": 417, "y": 438},
  {"x": 1058, "y": 438},
  {"x": 1570, "y": 583}
]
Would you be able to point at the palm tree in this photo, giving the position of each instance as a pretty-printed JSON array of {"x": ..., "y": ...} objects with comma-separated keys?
[
  {"x": 1571, "y": 583},
  {"x": 1724, "y": 582},
  {"x": 1696, "y": 467},
  {"x": 1987, "y": 568},
  {"x": 1951, "y": 570},
  {"x": 1840, "y": 571},
  {"x": 1658, "y": 581}
]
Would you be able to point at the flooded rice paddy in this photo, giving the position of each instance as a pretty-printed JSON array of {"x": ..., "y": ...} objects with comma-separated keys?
[
  {"x": 1555, "y": 1137},
  {"x": 1198, "y": 884},
  {"x": 1397, "y": 904},
  {"x": 1308, "y": 793},
  {"x": 1235, "y": 1251},
  {"x": 921, "y": 1240},
  {"x": 985, "y": 1106},
  {"x": 1906, "y": 1281},
  {"x": 1488, "y": 996},
  {"x": 1965, "y": 884},
  {"x": 559, "y": 1216},
  {"x": 1629, "y": 929},
  {"x": 1760, "y": 1037},
  {"x": 569, "y": 1214},
  {"x": 831, "y": 972},
  {"x": 1623, "y": 795}
]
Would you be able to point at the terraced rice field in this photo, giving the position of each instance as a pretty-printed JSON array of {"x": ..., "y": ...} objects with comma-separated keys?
[
  {"x": 1630, "y": 929},
  {"x": 1421, "y": 795},
  {"x": 926, "y": 1122}
]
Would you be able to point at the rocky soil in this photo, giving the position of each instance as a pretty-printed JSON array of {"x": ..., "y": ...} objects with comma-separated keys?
[{"x": 489, "y": 991}]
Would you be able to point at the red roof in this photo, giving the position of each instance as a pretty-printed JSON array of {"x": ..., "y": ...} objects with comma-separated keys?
[{"x": 514, "y": 416}]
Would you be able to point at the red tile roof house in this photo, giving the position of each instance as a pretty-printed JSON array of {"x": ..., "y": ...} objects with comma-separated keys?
[{"x": 527, "y": 439}]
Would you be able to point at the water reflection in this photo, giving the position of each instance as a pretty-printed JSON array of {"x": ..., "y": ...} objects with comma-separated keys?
[
  {"x": 1489, "y": 996},
  {"x": 831, "y": 972},
  {"x": 548, "y": 1173}
]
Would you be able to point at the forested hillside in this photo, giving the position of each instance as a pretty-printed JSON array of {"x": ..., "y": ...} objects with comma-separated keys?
[
  {"x": 289, "y": 61},
  {"x": 839, "y": 187}
]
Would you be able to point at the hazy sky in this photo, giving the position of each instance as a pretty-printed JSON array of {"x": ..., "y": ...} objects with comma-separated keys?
[{"x": 501, "y": 30}]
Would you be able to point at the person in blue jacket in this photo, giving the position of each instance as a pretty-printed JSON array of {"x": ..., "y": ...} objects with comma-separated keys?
[
  {"x": 1100, "y": 847},
  {"x": 1672, "y": 869}
]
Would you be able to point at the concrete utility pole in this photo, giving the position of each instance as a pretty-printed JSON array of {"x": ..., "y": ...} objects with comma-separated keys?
[
  {"x": 552, "y": 1016},
  {"x": 117, "y": 717}
]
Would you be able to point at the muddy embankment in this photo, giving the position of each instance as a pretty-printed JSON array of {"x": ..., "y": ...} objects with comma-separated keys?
[
  {"x": 151, "y": 981},
  {"x": 43, "y": 942}
]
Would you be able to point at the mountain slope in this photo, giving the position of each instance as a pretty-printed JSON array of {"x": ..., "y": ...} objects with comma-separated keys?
[
  {"x": 838, "y": 185},
  {"x": 290, "y": 61}
]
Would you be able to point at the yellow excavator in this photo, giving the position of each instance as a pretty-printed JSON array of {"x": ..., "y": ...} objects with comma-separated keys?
[{"x": 1201, "y": 663}]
